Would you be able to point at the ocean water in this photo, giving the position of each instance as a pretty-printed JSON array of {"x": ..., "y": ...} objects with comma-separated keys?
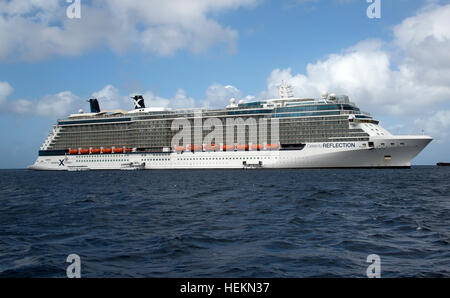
[{"x": 258, "y": 223}]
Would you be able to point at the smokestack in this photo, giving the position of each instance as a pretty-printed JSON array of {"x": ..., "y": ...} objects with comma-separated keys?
[
  {"x": 139, "y": 102},
  {"x": 95, "y": 107}
]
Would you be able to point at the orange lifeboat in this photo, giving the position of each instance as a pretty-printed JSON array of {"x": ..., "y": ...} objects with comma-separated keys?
[
  {"x": 95, "y": 151},
  {"x": 228, "y": 147},
  {"x": 256, "y": 147},
  {"x": 107, "y": 150},
  {"x": 242, "y": 147},
  {"x": 128, "y": 150},
  {"x": 196, "y": 147},
  {"x": 118, "y": 150},
  {"x": 180, "y": 148},
  {"x": 212, "y": 147},
  {"x": 272, "y": 146},
  {"x": 84, "y": 151},
  {"x": 73, "y": 151}
]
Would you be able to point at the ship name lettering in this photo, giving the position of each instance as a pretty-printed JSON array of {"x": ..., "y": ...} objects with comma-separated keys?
[{"x": 339, "y": 145}]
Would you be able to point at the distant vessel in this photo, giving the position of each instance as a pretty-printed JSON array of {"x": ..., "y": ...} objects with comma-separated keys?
[
  {"x": 285, "y": 132},
  {"x": 443, "y": 164}
]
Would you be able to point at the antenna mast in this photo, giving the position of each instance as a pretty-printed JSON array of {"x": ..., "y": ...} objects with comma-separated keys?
[{"x": 285, "y": 90}]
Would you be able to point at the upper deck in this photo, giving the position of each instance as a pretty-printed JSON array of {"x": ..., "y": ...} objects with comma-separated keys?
[{"x": 271, "y": 108}]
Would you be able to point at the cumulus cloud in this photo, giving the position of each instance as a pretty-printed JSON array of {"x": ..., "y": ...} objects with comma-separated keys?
[
  {"x": 179, "y": 100},
  {"x": 404, "y": 77},
  {"x": 55, "y": 105},
  {"x": 218, "y": 96},
  {"x": 425, "y": 41},
  {"x": 371, "y": 75},
  {"x": 5, "y": 91},
  {"x": 51, "y": 105},
  {"x": 38, "y": 29},
  {"x": 438, "y": 125},
  {"x": 182, "y": 100},
  {"x": 110, "y": 98}
]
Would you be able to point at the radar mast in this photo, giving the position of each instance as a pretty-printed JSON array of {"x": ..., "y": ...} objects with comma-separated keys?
[{"x": 285, "y": 90}]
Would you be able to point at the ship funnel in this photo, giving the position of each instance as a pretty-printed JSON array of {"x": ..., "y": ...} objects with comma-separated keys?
[
  {"x": 138, "y": 102},
  {"x": 95, "y": 107}
]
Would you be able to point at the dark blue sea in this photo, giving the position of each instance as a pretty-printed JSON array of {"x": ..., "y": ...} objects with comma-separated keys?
[{"x": 257, "y": 223}]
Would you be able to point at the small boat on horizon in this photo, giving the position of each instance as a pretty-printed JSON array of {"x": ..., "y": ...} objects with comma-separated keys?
[{"x": 443, "y": 164}]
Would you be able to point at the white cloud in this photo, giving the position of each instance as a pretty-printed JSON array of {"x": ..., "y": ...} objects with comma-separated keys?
[
  {"x": 179, "y": 100},
  {"x": 367, "y": 72},
  {"x": 59, "y": 104},
  {"x": 182, "y": 100},
  {"x": 36, "y": 9},
  {"x": 64, "y": 103},
  {"x": 404, "y": 77},
  {"x": 437, "y": 125},
  {"x": 37, "y": 29},
  {"x": 110, "y": 99},
  {"x": 218, "y": 96},
  {"x": 425, "y": 41},
  {"x": 5, "y": 91},
  {"x": 55, "y": 105}
]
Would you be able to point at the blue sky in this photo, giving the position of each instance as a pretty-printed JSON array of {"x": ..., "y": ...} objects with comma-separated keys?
[{"x": 203, "y": 53}]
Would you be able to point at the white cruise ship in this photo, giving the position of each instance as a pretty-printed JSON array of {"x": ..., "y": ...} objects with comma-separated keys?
[{"x": 286, "y": 132}]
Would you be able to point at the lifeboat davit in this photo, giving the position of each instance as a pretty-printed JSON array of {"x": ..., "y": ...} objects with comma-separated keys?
[
  {"x": 242, "y": 147},
  {"x": 228, "y": 147},
  {"x": 118, "y": 150},
  {"x": 196, "y": 147},
  {"x": 84, "y": 151},
  {"x": 272, "y": 146},
  {"x": 180, "y": 148},
  {"x": 107, "y": 150},
  {"x": 212, "y": 147},
  {"x": 95, "y": 151},
  {"x": 256, "y": 147},
  {"x": 73, "y": 151}
]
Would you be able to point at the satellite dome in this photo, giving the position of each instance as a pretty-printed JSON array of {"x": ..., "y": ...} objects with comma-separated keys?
[
  {"x": 333, "y": 96},
  {"x": 233, "y": 100},
  {"x": 324, "y": 94},
  {"x": 80, "y": 111},
  {"x": 241, "y": 101}
]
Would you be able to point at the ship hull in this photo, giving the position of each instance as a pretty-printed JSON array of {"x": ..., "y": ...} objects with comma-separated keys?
[{"x": 393, "y": 152}]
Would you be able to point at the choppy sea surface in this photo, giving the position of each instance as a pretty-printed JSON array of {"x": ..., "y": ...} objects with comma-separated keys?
[{"x": 257, "y": 223}]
